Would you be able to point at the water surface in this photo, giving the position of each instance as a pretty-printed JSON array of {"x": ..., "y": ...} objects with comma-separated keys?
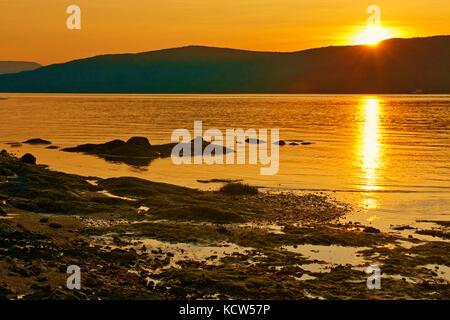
[{"x": 388, "y": 155}]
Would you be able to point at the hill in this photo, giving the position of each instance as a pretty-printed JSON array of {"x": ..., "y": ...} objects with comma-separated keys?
[
  {"x": 393, "y": 66},
  {"x": 17, "y": 66}
]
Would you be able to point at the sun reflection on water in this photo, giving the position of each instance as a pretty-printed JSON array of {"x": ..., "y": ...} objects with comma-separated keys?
[{"x": 369, "y": 148}]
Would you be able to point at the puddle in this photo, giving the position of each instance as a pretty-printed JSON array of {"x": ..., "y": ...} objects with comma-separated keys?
[
  {"x": 271, "y": 228},
  {"x": 176, "y": 252},
  {"x": 408, "y": 245},
  {"x": 422, "y": 237},
  {"x": 110, "y": 195},
  {"x": 441, "y": 270},
  {"x": 189, "y": 251},
  {"x": 313, "y": 296},
  {"x": 305, "y": 277},
  {"x": 316, "y": 267},
  {"x": 143, "y": 209},
  {"x": 9, "y": 216},
  {"x": 333, "y": 255},
  {"x": 106, "y": 193}
]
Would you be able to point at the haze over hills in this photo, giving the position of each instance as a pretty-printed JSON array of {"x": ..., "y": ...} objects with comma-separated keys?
[
  {"x": 393, "y": 66},
  {"x": 17, "y": 66}
]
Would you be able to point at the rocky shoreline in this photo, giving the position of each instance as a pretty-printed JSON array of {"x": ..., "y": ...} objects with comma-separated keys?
[{"x": 137, "y": 239}]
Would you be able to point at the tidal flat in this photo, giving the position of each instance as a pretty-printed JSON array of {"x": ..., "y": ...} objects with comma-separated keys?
[{"x": 138, "y": 239}]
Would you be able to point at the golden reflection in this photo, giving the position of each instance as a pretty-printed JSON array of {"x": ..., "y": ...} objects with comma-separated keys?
[{"x": 370, "y": 149}]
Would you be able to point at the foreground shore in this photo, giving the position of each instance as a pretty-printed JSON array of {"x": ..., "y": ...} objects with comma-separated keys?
[{"x": 136, "y": 239}]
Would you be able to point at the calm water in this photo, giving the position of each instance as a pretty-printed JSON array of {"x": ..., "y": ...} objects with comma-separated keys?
[{"x": 388, "y": 155}]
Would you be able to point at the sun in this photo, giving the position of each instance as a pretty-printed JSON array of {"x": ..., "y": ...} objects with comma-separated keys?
[{"x": 371, "y": 35}]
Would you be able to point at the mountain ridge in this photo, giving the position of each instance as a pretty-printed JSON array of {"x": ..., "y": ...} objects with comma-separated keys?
[
  {"x": 395, "y": 65},
  {"x": 17, "y": 66}
]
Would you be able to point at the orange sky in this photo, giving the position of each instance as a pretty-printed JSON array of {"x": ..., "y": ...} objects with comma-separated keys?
[{"x": 35, "y": 30}]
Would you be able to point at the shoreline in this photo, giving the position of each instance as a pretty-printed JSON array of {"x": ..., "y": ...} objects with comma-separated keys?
[
  {"x": 362, "y": 200},
  {"x": 158, "y": 241}
]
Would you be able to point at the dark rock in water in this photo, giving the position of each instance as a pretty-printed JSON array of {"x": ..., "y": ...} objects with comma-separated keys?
[
  {"x": 306, "y": 143},
  {"x": 52, "y": 147},
  {"x": 43, "y": 220},
  {"x": 219, "y": 180},
  {"x": 14, "y": 144},
  {"x": 280, "y": 143},
  {"x": 28, "y": 158},
  {"x": 137, "y": 151},
  {"x": 401, "y": 228},
  {"x": 293, "y": 144},
  {"x": 139, "y": 141},
  {"x": 3, "y": 213},
  {"x": 54, "y": 225},
  {"x": 37, "y": 141},
  {"x": 254, "y": 141},
  {"x": 371, "y": 230}
]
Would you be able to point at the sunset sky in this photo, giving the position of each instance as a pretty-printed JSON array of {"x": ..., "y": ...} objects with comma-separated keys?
[{"x": 35, "y": 30}]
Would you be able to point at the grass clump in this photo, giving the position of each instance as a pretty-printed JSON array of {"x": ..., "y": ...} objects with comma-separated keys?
[{"x": 238, "y": 188}]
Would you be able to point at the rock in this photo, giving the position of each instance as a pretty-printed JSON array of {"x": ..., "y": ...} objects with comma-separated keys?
[
  {"x": 3, "y": 213},
  {"x": 371, "y": 230},
  {"x": 254, "y": 141},
  {"x": 137, "y": 151},
  {"x": 43, "y": 220},
  {"x": 117, "y": 241},
  {"x": 92, "y": 282},
  {"x": 405, "y": 227},
  {"x": 293, "y": 144},
  {"x": 4, "y": 292},
  {"x": 14, "y": 144},
  {"x": 54, "y": 225},
  {"x": 37, "y": 141},
  {"x": 280, "y": 143},
  {"x": 139, "y": 141},
  {"x": 22, "y": 272},
  {"x": 28, "y": 158},
  {"x": 62, "y": 269},
  {"x": 305, "y": 143},
  {"x": 160, "y": 288},
  {"x": 52, "y": 147},
  {"x": 36, "y": 286},
  {"x": 178, "y": 292}
]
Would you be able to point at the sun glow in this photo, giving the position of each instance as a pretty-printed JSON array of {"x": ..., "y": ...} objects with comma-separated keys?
[{"x": 371, "y": 35}]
